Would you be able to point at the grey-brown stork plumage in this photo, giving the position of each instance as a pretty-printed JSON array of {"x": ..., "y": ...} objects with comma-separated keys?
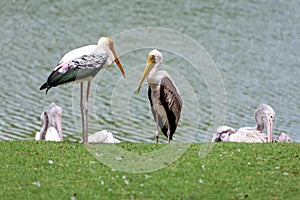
[
  {"x": 163, "y": 95},
  {"x": 82, "y": 64}
]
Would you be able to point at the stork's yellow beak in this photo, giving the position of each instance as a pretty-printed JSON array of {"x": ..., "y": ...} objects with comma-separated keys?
[
  {"x": 148, "y": 68},
  {"x": 112, "y": 48},
  {"x": 119, "y": 65}
]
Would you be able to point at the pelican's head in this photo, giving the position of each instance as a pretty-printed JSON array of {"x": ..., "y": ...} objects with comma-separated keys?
[
  {"x": 283, "y": 137},
  {"x": 223, "y": 134},
  {"x": 265, "y": 115},
  {"x": 155, "y": 58},
  {"x": 107, "y": 44}
]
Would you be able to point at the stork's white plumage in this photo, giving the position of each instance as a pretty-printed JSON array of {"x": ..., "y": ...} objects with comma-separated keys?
[{"x": 80, "y": 65}]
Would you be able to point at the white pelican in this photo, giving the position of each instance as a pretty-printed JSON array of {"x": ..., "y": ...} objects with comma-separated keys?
[
  {"x": 283, "y": 137},
  {"x": 81, "y": 65},
  {"x": 163, "y": 95},
  {"x": 264, "y": 115},
  {"x": 223, "y": 134},
  {"x": 103, "y": 136},
  {"x": 51, "y": 124}
]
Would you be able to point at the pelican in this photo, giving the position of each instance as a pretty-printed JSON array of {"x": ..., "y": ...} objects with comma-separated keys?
[
  {"x": 283, "y": 137},
  {"x": 51, "y": 124},
  {"x": 223, "y": 134},
  {"x": 103, "y": 136},
  {"x": 264, "y": 115},
  {"x": 81, "y": 65},
  {"x": 163, "y": 95}
]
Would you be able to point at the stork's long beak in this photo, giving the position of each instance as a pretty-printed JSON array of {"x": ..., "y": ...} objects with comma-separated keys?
[
  {"x": 118, "y": 62},
  {"x": 270, "y": 124},
  {"x": 148, "y": 68},
  {"x": 59, "y": 126}
]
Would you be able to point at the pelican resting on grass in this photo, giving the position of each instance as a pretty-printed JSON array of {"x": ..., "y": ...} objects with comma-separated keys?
[
  {"x": 163, "y": 95},
  {"x": 103, "y": 136},
  {"x": 81, "y": 65},
  {"x": 283, "y": 137},
  {"x": 223, "y": 134},
  {"x": 51, "y": 123},
  {"x": 264, "y": 116}
]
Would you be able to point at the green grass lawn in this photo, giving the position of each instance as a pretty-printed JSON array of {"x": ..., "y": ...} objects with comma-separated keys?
[{"x": 66, "y": 170}]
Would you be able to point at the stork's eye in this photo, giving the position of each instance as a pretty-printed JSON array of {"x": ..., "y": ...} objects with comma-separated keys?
[{"x": 153, "y": 58}]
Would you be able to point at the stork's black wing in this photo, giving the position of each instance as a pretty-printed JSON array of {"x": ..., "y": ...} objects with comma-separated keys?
[
  {"x": 172, "y": 103},
  {"x": 77, "y": 69}
]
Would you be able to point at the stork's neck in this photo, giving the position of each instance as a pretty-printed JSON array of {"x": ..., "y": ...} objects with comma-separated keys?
[
  {"x": 110, "y": 56},
  {"x": 45, "y": 123},
  {"x": 153, "y": 73}
]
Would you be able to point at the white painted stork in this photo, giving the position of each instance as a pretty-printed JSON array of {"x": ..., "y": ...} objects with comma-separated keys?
[
  {"x": 163, "y": 95},
  {"x": 81, "y": 65},
  {"x": 51, "y": 123},
  {"x": 264, "y": 115}
]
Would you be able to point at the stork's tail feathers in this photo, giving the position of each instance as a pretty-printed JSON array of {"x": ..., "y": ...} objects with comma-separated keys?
[{"x": 45, "y": 86}]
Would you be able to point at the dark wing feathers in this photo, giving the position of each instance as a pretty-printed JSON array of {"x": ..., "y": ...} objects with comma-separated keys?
[
  {"x": 171, "y": 101},
  {"x": 77, "y": 69},
  {"x": 160, "y": 121}
]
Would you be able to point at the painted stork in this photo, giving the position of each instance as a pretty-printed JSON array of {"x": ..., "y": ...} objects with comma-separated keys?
[
  {"x": 51, "y": 129},
  {"x": 163, "y": 95},
  {"x": 81, "y": 65}
]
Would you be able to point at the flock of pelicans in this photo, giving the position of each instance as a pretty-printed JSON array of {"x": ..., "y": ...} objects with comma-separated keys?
[{"x": 82, "y": 64}]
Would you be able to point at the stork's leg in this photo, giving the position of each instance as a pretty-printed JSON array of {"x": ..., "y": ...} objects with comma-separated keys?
[
  {"x": 86, "y": 112},
  {"x": 168, "y": 133},
  {"x": 81, "y": 109},
  {"x": 157, "y": 128}
]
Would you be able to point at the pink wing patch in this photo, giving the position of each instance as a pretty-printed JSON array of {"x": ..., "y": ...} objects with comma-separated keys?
[{"x": 62, "y": 68}]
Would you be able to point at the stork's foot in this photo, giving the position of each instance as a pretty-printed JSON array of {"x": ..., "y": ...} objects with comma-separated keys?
[
  {"x": 156, "y": 136},
  {"x": 168, "y": 133}
]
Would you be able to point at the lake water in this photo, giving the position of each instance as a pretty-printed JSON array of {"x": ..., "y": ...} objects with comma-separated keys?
[{"x": 254, "y": 44}]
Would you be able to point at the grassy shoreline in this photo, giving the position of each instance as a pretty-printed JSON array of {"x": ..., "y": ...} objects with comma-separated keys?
[{"x": 66, "y": 170}]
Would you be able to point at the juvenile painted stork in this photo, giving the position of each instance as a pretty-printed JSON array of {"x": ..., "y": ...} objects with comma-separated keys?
[
  {"x": 264, "y": 115},
  {"x": 51, "y": 123},
  {"x": 163, "y": 95},
  {"x": 81, "y": 65}
]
